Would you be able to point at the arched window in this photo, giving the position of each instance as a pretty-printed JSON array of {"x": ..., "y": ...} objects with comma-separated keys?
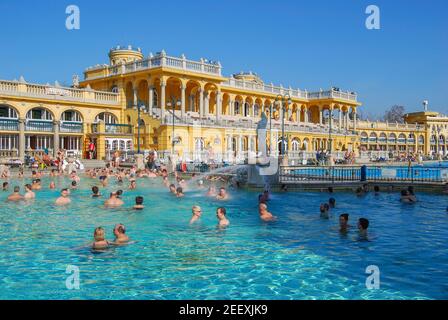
[
  {"x": 39, "y": 114},
  {"x": 295, "y": 145},
  {"x": 114, "y": 89},
  {"x": 256, "y": 110},
  {"x": 236, "y": 105},
  {"x": 71, "y": 115},
  {"x": 364, "y": 137},
  {"x": 392, "y": 138},
  {"x": 8, "y": 112},
  {"x": 106, "y": 117}
]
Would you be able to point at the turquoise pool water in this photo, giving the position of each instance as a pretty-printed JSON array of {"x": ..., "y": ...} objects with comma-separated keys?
[{"x": 299, "y": 257}]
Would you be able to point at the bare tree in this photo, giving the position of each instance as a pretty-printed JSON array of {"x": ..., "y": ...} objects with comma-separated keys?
[{"x": 395, "y": 114}]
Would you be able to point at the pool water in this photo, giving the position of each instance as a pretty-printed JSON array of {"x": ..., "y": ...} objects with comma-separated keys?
[{"x": 299, "y": 257}]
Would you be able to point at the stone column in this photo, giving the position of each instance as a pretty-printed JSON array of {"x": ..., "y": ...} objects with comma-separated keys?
[
  {"x": 22, "y": 139},
  {"x": 354, "y": 120},
  {"x": 330, "y": 116},
  {"x": 183, "y": 88},
  {"x": 56, "y": 138},
  {"x": 321, "y": 115},
  {"x": 162, "y": 99},
  {"x": 298, "y": 115},
  {"x": 201, "y": 102},
  {"x": 151, "y": 99},
  {"x": 135, "y": 91},
  {"x": 340, "y": 119},
  {"x": 346, "y": 120},
  {"x": 207, "y": 103},
  {"x": 305, "y": 114},
  {"x": 218, "y": 105}
]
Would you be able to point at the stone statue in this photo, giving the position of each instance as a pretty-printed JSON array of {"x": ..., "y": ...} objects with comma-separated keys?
[{"x": 261, "y": 136}]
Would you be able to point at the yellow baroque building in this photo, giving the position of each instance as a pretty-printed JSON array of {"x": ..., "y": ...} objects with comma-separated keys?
[{"x": 167, "y": 103}]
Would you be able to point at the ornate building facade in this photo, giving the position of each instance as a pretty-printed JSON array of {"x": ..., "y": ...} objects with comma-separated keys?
[{"x": 173, "y": 103}]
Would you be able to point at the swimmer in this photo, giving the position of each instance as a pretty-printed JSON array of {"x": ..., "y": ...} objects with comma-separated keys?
[
  {"x": 113, "y": 201},
  {"x": 29, "y": 194},
  {"x": 332, "y": 202},
  {"x": 5, "y": 186},
  {"x": 221, "y": 215},
  {"x": 74, "y": 185},
  {"x": 211, "y": 191},
  {"x": 52, "y": 185},
  {"x": 200, "y": 184},
  {"x": 15, "y": 196},
  {"x": 35, "y": 184},
  {"x": 138, "y": 203},
  {"x": 197, "y": 212},
  {"x": 376, "y": 189},
  {"x": 222, "y": 195},
  {"x": 324, "y": 211},
  {"x": 63, "y": 199},
  {"x": 406, "y": 197},
  {"x": 179, "y": 192},
  {"x": 119, "y": 193},
  {"x": 412, "y": 196},
  {"x": 343, "y": 223},
  {"x": 100, "y": 241},
  {"x": 103, "y": 180},
  {"x": 265, "y": 215},
  {"x": 74, "y": 176},
  {"x": 172, "y": 188},
  {"x": 120, "y": 236},
  {"x": 95, "y": 192},
  {"x": 133, "y": 185},
  {"x": 363, "y": 224},
  {"x": 359, "y": 192}
]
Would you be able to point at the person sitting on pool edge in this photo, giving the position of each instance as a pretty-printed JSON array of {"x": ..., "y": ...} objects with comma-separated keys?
[
  {"x": 113, "y": 201},
  {"x": 99, "y": 239},
  {"x": 63, "y": 199},
  {"x": 221, "y": 215},
  {"x": 363, "y": 224},
  {"x": 15, "y": 196},
  {"x": 324, "y": 210},
  {"x": 120, "y": 236},
  {"x": 343, "y": 223},
  {"x": 332, "y": 202},
  {"x": 138, "y": 203},
  {"x": 265, "y": 215},
  {"x": 29, "y": 194},
  {"x": 95, "y": 192},
  {"x": 197, "y": 212}
]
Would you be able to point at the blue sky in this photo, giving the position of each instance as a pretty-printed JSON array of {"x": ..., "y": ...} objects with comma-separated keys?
[{"x": 305, "y": 44}]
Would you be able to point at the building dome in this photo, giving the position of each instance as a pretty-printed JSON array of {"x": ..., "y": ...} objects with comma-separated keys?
[{"x": 124, "y": 54}]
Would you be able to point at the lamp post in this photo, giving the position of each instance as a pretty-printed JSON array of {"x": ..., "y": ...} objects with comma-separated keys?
[
  {"x": 139, "y": 107},
  {"x": 282, "y": 98},
  {"x": 173, "y": 103},
  {"x": 270, "y": 128},
  {"x": 330, "y": 140}
]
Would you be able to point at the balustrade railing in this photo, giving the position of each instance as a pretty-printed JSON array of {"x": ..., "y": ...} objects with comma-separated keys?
[
  {"x": 9, "y": 124},
  {"x": 39, "y": 125},
  {"x": 71, "y": 127}
]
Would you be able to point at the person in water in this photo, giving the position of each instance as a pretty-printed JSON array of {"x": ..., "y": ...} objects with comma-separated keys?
[
  {"x": 363, "y": 225},
  {"x": 119, "y": 193},
  {"x": 133, "y": 185},
  {"x": 35, "y": 184},
  {"x": 15, "y": 196},
  {"x": 179, "y": 192},
  {"x": 343, "y": 223},
  {"x": 52, "y": 185},
  {"x": 376, "y": 189},
  {"x": 211, "y": 191},
  {"x": 99, "y": 239},
  {"x": 120, "y": 236},
  {"x": 221, "y": 215},
  {"x": 29, "y": 194},
  {"x": 265, "y": 215},
  {"x": 332, "y": 202},
  {"x": 5, "y": 186},
  {"x": 95, "y": 192},
  {"x": 74, "y": 185},
  {"x": 324, "y": 210},
  {"x": 412, "y": 194},
  {"x": 197, "y": 212},
  {"x": 64, "y": 198},
  {"x": 138, "y": 203},
  {"x": 222, "y": 195},
  {"x": 407, "y": 197},
  {"x": 172, "y": 188},
  {"x": 113, "y": 201}
]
